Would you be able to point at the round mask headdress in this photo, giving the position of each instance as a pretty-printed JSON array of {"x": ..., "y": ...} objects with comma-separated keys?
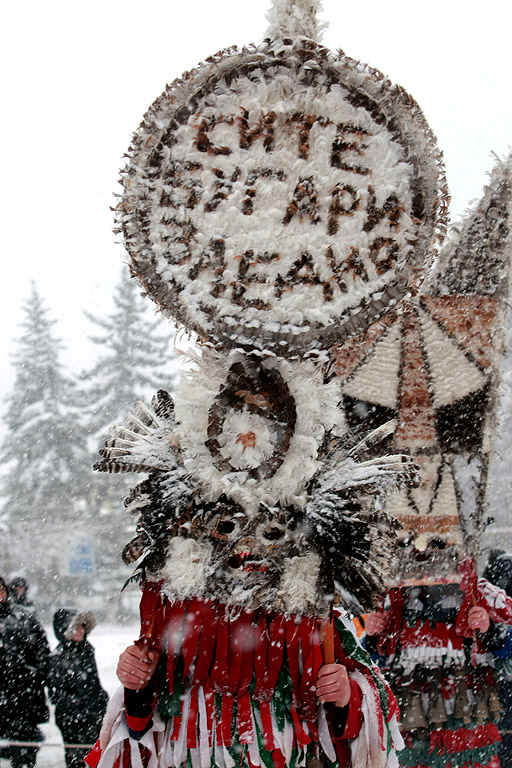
[
  {"x": 281, "y": 198},
  {"x": 276, "y": 200}
]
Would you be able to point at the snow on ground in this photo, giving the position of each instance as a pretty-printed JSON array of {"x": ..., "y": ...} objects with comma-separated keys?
[{"x": 108, "y": 641}]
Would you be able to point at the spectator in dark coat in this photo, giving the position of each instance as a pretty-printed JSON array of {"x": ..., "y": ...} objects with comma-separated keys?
[
  {"x": 74, "y": 685},
  {"x": 18, "y": 593},
  {"x": 24, "y": 655}
]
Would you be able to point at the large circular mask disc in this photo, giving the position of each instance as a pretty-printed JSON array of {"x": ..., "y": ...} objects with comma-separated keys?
[{"x": 280, "y": 201}]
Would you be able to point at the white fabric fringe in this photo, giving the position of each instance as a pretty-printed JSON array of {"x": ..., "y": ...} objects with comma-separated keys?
[{"x": 367, "y": 749}]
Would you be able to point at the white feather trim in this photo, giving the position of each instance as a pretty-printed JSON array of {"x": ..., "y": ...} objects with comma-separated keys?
[
  {"x": 298, "y": 590},
  {"x": 186, "y": 568}
]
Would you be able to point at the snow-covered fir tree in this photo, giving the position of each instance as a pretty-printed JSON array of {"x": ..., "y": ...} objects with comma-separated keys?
[
  {"x": 135, "y": 359},
  {"x": 44, "y": 451}
]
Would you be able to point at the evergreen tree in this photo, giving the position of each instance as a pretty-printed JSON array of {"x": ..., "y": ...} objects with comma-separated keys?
[
  {"x": 134, "y": 359},
  {"x": 44, "y": 450},
  {"x": 134, "y": 362}
]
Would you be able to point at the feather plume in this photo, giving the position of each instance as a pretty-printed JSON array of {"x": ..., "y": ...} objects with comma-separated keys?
[
  {"x": 146, "y": 442},
  {"x": 355, "y": 538},
  {"x": 295, "y": 18}
]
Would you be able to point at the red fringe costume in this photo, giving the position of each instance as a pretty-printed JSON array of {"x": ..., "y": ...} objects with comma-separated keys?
[
  {"x": 442, "y": 672},
  {"x": 240, "y": 690}
]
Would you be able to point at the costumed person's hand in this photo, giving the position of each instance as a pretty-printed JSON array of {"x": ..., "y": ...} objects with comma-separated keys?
[
  {"x": 333, "y": 685},
  {"x": 375, "y": 622},
  {"x": 136, "y": 666},
  {"x": 478, "y": 618}
]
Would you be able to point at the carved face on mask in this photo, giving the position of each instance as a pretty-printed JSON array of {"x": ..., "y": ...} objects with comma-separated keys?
[
  {"x": 256, "y": 543},
  {"x": 238, "y": 558}
]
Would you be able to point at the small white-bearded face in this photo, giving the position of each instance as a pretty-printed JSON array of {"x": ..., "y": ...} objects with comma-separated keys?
[{"x": 247, "y": 440}]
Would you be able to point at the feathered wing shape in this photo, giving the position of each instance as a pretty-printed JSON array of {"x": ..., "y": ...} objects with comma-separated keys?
[
  {"x": 475, "y": 261},
  {"x": 145, "y": 442},
  {"x": 344, "y": 473},
  {"x": 435, "y": 367}
]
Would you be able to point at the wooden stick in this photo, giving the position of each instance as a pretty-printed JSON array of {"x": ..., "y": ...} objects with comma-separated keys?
[{"x": 328, "y": 641}]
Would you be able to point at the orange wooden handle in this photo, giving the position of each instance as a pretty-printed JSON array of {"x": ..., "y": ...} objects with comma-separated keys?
[{"x": 328, "y": 641}]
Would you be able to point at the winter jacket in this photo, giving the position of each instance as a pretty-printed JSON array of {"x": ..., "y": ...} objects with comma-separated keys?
[
  {"x": 24, "y": 656},
  {"x": 73, "y": 681}
]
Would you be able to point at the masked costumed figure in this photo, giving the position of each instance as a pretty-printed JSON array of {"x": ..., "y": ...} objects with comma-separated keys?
[
  {"x": 276, "y": 200},
  {"x": 499, "y": 572},
  {"x": 443, "y": 627}
]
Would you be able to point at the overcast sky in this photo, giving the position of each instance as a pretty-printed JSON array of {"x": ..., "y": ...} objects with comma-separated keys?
[{"x": 78, "y": 77}]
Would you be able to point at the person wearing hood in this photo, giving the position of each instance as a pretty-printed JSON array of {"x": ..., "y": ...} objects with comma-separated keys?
[
  {"x": 18, "y": 591},
  {"x": 24, "y": 655},
  {"x": 74, "y": 684}
]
